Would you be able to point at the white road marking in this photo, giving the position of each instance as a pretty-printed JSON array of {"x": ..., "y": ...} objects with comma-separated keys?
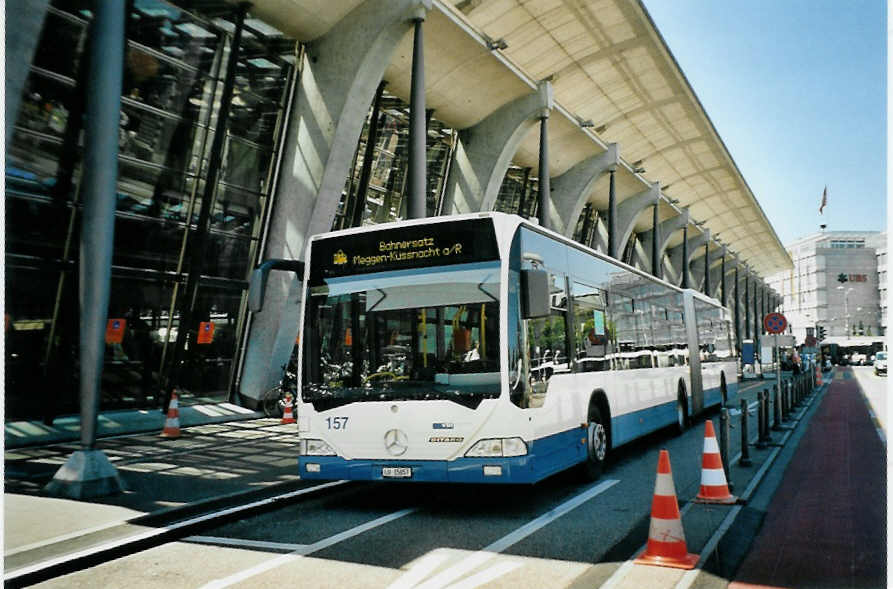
[
  {"x": 305, "y": 550},
  {"x": 485, "y": 576},
  {"x": 63, "y": 537},
  {"x": 240, "y": 543},
  {"x": 420, "y": 570},
  {"x": 11, "y": 575},
  {"x": 468, "y": 564}
]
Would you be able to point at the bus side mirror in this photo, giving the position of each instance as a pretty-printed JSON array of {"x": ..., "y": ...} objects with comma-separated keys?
[
  {"x": 258, "y": 284},
  {"x": 534, "y": 294}
]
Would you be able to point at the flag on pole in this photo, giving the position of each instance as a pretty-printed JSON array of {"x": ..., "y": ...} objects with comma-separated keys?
[{"x": 824, "y": 200}]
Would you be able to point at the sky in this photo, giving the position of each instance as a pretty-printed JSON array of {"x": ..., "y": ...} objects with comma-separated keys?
[{"x": 796, "y": 89}]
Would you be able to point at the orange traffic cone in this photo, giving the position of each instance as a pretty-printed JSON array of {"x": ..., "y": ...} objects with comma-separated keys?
[
  {"x": 818, "y": 375},
  {"x": 172, "y": 423},
  {"x": 714, "y": 488},
  {"x": 666, "y": 539},
  {"x": 287, "y": 416}
]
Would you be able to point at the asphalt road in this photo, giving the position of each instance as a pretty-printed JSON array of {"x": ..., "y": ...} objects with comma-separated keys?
[
  {"x": 875, "y": 390},
  {"x": 559, "y": 533}
]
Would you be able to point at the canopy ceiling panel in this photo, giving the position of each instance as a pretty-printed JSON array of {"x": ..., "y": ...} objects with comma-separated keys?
[{"x": 607, "y": 63}]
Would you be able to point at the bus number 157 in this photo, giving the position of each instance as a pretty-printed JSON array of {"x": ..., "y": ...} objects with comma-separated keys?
[{"x": 336, "y": 422}]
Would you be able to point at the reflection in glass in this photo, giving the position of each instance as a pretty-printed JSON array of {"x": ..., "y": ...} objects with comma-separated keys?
[
  {"x": 174, "y": 62},
  {"x": 403, "y": 335}
]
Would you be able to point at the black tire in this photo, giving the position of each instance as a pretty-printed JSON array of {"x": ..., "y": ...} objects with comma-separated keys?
[
  {"x": 596, "y": 445},
  {"x": 681, "y": 410},
  {"x": 270, "y": 402}
]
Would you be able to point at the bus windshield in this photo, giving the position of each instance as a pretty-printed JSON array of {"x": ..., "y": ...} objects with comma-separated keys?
[{"x": 418, "y": 334}]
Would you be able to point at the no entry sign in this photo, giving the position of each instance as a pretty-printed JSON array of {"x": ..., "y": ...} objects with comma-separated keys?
[{"x": 775, "y": 323}]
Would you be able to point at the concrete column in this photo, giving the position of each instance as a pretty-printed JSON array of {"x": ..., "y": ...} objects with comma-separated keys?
[
  {"x": 722, "y": 274},
  {"x": 707, "y": 267},
  {"x": 484, "y": 152},
  {"x": 339, "y": 77},
  {"x": 655, "y": 241},
  {"x": 737, "y": 311},
  {"x": 664, "y": 233},
  {"x": 88, "y": 472},
  {"x": 571, "y": 190},
  {"x": 612, "y": 216},
  {"x": 680, "y": 256},
  {"x": 418, "y": 186},
  {"x": 698, "y": 263},
  {"x": 544, "y": 200},
  {"x": 628, "y": 211},
  {"x": 717, "y": 273},
  {"x": 746, "y": 306},
  {"x": 757, "y": 328}
]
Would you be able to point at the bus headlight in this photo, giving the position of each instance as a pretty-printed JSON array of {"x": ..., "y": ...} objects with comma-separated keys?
[
  {"x": 498, "y": 447},
  {"x": 315, "y": 448}
]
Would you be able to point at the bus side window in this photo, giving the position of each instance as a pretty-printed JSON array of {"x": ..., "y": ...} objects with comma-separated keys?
[
  {"x": 590, "y": 329},
  {"x": 547, "y": 344}
]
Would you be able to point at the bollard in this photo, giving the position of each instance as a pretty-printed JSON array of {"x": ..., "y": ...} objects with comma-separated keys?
[
  {"x": 745, "y": 445},
  {"x": 765, "y": 437},
  {"x": 761, "y": 419},
  {"x": 783, "y": 401},
  {"x": 724, "y": 443},
  {"x": 776, "y": 407},
  {"x": 786, "y": 401}
]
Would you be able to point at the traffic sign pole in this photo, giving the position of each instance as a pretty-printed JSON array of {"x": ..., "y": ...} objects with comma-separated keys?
[{"x": 777, "y": 367}]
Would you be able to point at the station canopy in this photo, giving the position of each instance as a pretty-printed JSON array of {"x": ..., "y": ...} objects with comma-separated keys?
[{"x": 608, "y": 65}]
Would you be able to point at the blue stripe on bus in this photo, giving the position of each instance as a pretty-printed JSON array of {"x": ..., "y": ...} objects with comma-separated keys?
[
  {"x": 546, "y": 456},
  {"x": 627, "y": 428}
]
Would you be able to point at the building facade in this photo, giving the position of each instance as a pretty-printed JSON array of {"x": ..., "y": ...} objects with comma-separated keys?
[{"x": 836, "y": 283}]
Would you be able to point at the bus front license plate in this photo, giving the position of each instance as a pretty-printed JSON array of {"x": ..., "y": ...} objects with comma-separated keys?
[{"x": 396, "y": 472}]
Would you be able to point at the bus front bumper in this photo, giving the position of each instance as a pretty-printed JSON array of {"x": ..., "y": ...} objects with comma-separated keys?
[{"x": 462, "y": 470}]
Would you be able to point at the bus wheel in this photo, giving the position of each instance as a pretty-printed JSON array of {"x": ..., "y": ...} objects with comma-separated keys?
[
  {"x": 596, "y": 446},
  {"x": 681, "y": 413}
]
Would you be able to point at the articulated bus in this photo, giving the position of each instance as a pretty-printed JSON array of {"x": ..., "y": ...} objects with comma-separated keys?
[{"x": 485, "y": 348}]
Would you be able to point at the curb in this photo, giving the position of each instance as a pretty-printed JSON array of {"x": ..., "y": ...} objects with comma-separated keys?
[{"x": 25, "y": 434}]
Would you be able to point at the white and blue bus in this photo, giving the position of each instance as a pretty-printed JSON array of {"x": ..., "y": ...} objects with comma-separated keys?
[{"x": 484, "y": 348}]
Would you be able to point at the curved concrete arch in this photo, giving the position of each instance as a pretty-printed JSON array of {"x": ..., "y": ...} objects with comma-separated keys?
[
  {"x": 338, "y": 80},
  {"x": 716, "y": 272},
  {"x": 666, "y": 230},
  {"x": 629, "y": 210},
  {"x": 696, "y": 264},
  {"x": 484, "y": 152},
  {"x": 571, "y": 190},
  {"x": 675, "y": 254}
]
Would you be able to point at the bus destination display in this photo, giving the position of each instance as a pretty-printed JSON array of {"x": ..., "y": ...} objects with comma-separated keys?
[{"x": 435, "y": 244}]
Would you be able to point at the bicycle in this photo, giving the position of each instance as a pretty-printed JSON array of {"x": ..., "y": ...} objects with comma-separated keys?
[{"x": 273, "y": 400}]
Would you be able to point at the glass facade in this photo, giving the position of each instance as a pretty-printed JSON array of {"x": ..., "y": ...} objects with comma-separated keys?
[
  {"x": 385, "y": 189},
  {"x": 174, "y": 73}
]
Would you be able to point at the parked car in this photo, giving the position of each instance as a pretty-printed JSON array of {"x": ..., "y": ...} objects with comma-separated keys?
[{"x": 880, "y": 363}]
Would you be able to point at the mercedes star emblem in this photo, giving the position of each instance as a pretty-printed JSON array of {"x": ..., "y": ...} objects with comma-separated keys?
[{"x": 395, "y": 442}]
